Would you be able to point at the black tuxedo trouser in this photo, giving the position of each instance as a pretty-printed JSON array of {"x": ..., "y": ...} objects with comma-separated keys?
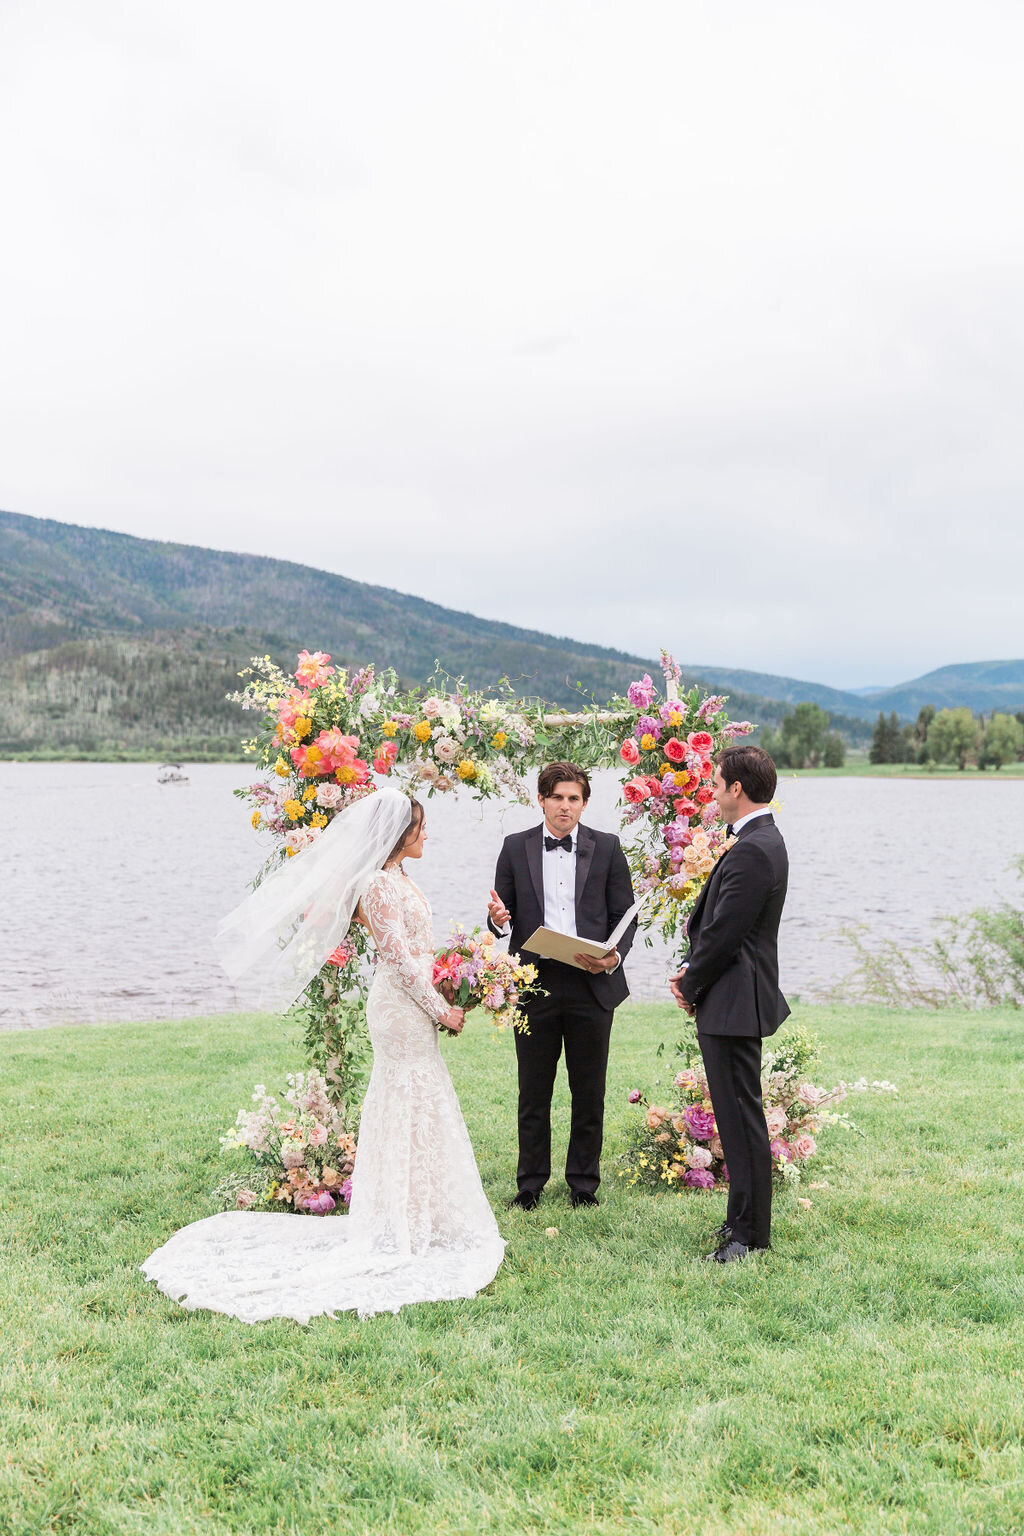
[
  {"x": 570, "y": 1016},
  {"x": 733, "y": 1067}
]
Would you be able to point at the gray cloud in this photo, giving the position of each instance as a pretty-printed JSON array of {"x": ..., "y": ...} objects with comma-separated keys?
[{"x": 660, "y": 324}]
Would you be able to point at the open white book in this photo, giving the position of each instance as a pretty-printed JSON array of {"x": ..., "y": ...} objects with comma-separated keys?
[{"x": 564, "y": 947}]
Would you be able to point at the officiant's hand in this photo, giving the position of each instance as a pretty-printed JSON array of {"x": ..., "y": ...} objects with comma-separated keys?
[
  {"x": 598, "y": 964},
  {"x": 673, "y": 983},
  {"x": 500, "y": 914}
]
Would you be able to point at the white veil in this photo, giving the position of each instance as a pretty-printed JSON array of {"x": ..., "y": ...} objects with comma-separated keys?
[{"x": 283, "y": 933}]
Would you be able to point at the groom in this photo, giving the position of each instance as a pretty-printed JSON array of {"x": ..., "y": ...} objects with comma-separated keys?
[
  {"x": 730, "y": 983},
  {"x": 564, "y": 876}
]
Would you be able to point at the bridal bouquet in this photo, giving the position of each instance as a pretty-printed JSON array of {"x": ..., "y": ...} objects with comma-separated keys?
[
  {"x": 677, "y": 1144},
  {"x": 471, "y": 973},
  {"x": 302, "y": 1154}
]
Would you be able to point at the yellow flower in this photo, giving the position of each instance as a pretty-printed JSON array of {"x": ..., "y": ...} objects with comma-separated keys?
[
  {"x": 467, "y": 769},
  {"x": 422, "y": 731},
  {"x": 294, "y": 810},
  {"x": 291, "y": 852},
  {"x": 665, "y": 768},
  {"x": 499, "y": 739},
  {"x": 675, "y": 718},
  {"x": 313, "y": 756},
  {"x": 302, "y": 727},
  {"x": 319, "y": 820},
  {"x": 346, "y": 774},
  {"x": 389, "y": 728},
  {"x": 281, "y": 768},
  {"x": 256, "y": 819},
  {"x": 309, "y": 793},
  {"x": 647, "y": 742}
]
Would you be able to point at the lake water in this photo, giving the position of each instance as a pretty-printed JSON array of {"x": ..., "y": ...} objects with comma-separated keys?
[{"x": 112, "y": 883}]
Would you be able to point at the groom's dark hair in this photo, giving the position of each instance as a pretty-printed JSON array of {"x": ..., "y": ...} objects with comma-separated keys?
[
  {"x": 753, "y": 768},
  {"x": 561, "y": 773}
]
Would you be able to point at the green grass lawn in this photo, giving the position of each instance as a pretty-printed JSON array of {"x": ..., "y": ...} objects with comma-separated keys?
[{"x": 865, "y": 1376}]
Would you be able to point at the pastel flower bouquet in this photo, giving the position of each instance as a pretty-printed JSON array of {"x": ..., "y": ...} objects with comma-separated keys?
[
  {"x": 471, "y": 973},
  {"x": 300, "y": 1154},
  {"x": 677, "y": 1145}
]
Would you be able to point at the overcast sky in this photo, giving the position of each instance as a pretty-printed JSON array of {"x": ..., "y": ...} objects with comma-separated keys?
[{"x": 647, "y": 323}]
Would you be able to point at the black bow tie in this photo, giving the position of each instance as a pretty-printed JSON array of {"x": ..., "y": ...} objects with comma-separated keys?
[
  {"x": 728, "y": 830},
  {"x": 558, "y": 842}
]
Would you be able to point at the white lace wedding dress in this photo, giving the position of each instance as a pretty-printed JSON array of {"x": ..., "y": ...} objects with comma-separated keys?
[{"x": 419, "y": 1226}]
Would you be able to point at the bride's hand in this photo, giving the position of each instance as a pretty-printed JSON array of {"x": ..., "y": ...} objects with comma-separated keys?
[{"x": 454, "y": 1020}]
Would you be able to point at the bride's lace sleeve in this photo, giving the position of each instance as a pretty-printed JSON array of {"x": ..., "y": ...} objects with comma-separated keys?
[{"x": 383, "y": 909}]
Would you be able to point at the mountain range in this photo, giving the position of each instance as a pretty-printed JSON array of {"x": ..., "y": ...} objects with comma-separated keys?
[{"x": 111, "y": 644}]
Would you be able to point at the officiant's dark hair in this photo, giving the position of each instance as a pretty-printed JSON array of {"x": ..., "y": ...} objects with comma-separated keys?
[
  {"x": 753, "y": 768},
  {"x": 561, "y": 773},
  {"x": 410, "y": 831}
]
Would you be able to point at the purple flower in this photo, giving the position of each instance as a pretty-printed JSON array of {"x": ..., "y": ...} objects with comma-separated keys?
[
  {"x": 723, "y": 1173},
  {"x": 320, "y": 1204},
  {"x": 635, "y": 1095},
  {"x": 737, "y": 728},
  {"x": 699, "y": 1122},
  {"x": 346, "y": 1191},
  {"x": 711, "y": 706},
  {"x": 640, "y": 694},
  {"x": 648, "y": 726},
  {"x": 699, "y": 1178}
]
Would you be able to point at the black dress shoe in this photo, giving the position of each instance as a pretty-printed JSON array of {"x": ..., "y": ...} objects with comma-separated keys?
[
  {"x": 526, "y": 1200},
  {"x": 581, "y": 1197},
  {"x": 721, "y": 1234},
  {"x": 732, "y": 1252}
]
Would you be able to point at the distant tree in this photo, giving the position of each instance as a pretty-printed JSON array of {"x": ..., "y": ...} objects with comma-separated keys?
[
  {"x": 1002, "y": 742},
  {"x": 803, "y": 735},
  {"x": 954, "y": 736},
  {"x": 887, "y": 741},
  {"x": 834, "y": 755},
  {"x": 925, "y": 716},
  {"x": 773, "y": 744}
]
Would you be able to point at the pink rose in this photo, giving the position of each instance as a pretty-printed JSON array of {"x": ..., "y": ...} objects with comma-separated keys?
[
  {"x": 808, "y": 1094},
  {"x": 245, "y": 1198},
  {"x": 699, "y": 1157},
  {"x": 704, "y": 796},
  {"x": 634, "y": 1095},
  {"x": 699, "y": 1178},
  {"x": 636, "y": 790},
  {"x": 700, "y": 741},
  {"x": 776, "y": 1120},
  {"x": 630, "y": 752},
  {"x": 656, "y": 1117},
  {"x": 318, "y": 1135},
  {"x": 674, "y": 750},
  {"x": 803, "y": 1146}
]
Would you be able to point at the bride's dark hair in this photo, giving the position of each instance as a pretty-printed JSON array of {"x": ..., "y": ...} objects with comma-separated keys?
[{"x": 410, "y": 832}]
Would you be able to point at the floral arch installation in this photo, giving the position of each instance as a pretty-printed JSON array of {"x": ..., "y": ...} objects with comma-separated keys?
[{"x": 328, "y": 737}]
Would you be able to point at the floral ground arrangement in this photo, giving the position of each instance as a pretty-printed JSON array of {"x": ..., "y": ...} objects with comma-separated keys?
[
  {"x": 675, "y": 1144},
  {"x": 865, "y": 1377}
]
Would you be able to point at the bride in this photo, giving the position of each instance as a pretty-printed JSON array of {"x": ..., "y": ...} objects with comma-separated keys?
[{"x": 419, "y": 1226}]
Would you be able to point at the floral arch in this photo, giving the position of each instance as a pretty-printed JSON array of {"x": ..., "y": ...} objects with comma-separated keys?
[{"x": 327, "y": 737}]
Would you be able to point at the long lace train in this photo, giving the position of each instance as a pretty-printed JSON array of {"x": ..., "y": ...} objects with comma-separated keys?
[{"x": 420, "y": 1227}]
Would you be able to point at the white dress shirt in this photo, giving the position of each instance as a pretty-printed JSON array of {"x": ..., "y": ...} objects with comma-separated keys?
[
  {"x": 559, "y": 876},
  {"x": 765, "y": 810}
]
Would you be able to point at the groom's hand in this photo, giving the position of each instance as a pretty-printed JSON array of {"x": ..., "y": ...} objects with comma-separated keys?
[
  {"x": 500, "y": 914},
  {"x": 673, "y": 983},
  {"x": 597, "y": 964}
]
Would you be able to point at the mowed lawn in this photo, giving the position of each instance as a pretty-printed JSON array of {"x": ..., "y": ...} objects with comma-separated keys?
[{"x": 866, "y": 1376}]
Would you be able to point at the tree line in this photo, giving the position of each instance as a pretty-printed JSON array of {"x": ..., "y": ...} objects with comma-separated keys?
[{"x": 949, "y": 736}]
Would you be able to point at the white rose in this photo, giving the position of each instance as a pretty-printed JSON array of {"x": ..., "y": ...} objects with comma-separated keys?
[
  {"x": 432, "y": 706},
  {"x": 445, "y": 749}
]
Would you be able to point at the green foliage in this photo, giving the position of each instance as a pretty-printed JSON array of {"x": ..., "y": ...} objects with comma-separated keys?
[
  {"x": 975, "y": 961},
  {"x": 953, "y": 736},
  {"x": 888, "y": 743},
  {"x": 834, "y": 755},
  {"x": 1002, "y": 742},
  {"x": 863, "y": 1378}
]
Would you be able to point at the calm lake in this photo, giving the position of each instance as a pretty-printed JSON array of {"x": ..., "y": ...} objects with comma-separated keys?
[{"x": 113, "y": 883}]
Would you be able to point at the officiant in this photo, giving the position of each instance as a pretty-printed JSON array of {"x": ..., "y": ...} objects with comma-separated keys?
[{"x": 564, "y": 876}]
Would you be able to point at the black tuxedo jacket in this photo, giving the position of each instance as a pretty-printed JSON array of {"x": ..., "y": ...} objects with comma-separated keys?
[
  {"x": 604, "y": 894},
  {"x": 732, "y": 971}
]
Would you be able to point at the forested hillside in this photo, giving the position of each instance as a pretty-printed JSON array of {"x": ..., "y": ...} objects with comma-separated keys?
[{"x": 112, "y": 645}]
